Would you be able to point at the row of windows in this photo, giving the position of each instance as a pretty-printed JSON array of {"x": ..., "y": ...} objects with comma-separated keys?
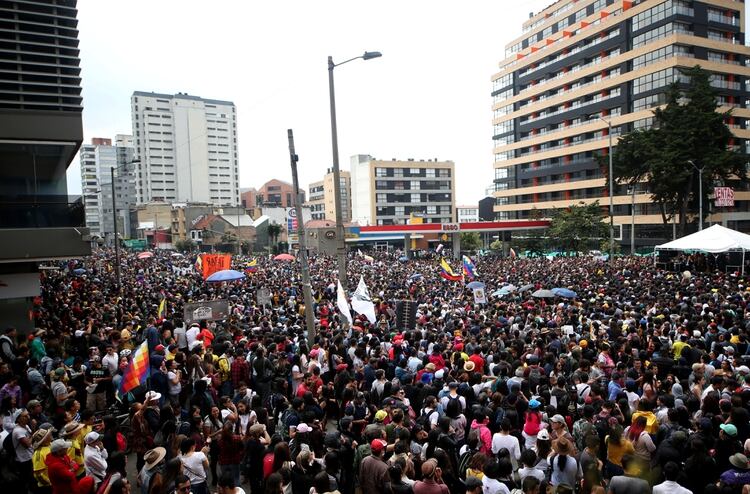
[
  {"x": 502, "y": 82},
  {"x": 410, "y": 172},
  {"x": 660, "y": 54},
  {"x": 661, "y": 12},
  {"x": 649, "y": 101},
  {"x": 660, "y": 32},
  {"x": 504, "y": 127},
  {"x": 412, "y": 185},
  {"x": 654, "y": 80}
]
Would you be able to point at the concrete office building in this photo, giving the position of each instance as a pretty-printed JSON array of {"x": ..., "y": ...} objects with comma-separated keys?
[
  {"x": 390, "y": 192},
  {"x": 40, "y": 133},
  {"x": 187, "y": 147},
  {"x": 322, "y": 197},
  {"x": 97, "y": 160},
  {"x": 580, "y": 64}
]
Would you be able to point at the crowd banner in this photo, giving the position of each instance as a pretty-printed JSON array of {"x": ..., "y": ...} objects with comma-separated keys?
[
  {"x": 212, "y": 263},
  {"x": 479, "y": 296},
  {"x": 210, "y": 310}
]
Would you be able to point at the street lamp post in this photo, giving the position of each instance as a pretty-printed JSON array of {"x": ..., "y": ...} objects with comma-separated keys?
[
  {"x": 611, "y": 191},
  {"x": 632, "y": 221},
  {"x": 340, "y": 241},
  {"x": 114, "y": 217},
  {"x": 700, "y": 194}
]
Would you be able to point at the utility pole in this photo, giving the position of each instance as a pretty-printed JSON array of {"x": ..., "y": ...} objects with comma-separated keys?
[
  {"x": 632, "y": 222},
  {"x": 114, "y": 228},
  {"x": 304, "y": 266},
  {"x": 700, "y": 194}
]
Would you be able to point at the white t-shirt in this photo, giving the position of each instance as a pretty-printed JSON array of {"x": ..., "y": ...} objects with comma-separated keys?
[
  {"x": 192, "y": 335},
  {"x": 500, "y": 441},
  {"x": 174, "y": 389},
  {"x": 192, "y": 467},
  {"x": 23, "y": 453}
]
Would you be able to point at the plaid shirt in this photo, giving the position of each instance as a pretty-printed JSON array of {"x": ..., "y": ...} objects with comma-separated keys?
[
  {"x": 231, "y": 451},
  {"x": 240, "y": 372}
]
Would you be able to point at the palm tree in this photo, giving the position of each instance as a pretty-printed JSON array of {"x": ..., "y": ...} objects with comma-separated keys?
[{"x": 274, "y": 230}]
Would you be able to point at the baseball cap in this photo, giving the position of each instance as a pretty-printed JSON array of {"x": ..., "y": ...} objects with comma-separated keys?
[
  {"x": 304, "y": 428},
  {"x": 380, "y": 415},
  {"x": 378, "y": 445},
  {"x": 59, "y": 445},
  {"x": 729, "y": 429},
  {"x": 91, "y": 437},
  {"x": 543, "y": 435}
]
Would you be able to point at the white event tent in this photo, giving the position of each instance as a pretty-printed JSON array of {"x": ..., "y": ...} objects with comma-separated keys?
[{"x": 714, "y": 240}]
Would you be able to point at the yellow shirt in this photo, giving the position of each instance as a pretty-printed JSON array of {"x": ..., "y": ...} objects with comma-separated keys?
[
  {"x": 170, "y": 356},
  {"x": 40, "y": 467},
  {"x": 678, "y": 347},
  {"x": 76, "y": 452},
  {"x": 616, "y": 452},
  {"x": 652, "y": 423}
]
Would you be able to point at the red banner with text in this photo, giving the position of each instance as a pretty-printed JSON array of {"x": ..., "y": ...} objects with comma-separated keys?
[{"x": 215, "y": 262}]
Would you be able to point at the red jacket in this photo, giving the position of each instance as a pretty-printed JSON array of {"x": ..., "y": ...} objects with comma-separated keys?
[{"x": 62, "y": 477}]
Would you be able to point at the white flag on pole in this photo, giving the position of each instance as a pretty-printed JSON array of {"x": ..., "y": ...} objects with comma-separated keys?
[
  {"x": 342, "y": 304},
  {"x": 361, "y": 301}
]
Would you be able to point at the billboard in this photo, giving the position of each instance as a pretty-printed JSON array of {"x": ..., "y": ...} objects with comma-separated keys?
[
  {"x": 723, "y": 197},
  {"x": 210, "y": 310}
]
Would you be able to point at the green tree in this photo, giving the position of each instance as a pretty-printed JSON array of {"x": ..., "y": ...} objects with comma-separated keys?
[
  {"x": 274, "y": 231},
  {"x": 577, "y": 227},
  {"x": 471, "y": 241},
  {"x": 687, "y": 129},
  {"x": 496, "y": 245},
  {"x": 533, "y": 246},
  {"x": 187, "y": 245}
]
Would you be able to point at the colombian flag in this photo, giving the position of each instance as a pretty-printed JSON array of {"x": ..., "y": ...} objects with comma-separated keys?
[
  {"x": 252, "y": 266},
  {"x": 137, "y": 372},
  {"x": 469, "y": 270},
  {"x": 447, "y": 273},
  {"x": 162, "y": 308}
]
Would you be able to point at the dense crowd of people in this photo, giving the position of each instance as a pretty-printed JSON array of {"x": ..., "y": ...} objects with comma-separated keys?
[{"x": 638, "y": 384}]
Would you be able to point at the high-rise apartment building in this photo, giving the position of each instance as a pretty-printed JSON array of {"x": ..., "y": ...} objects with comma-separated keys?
[
  {"x": 580, "y": 65},
  {"x": 40, "y": 133},
  {"x": 97, "y": 161},
  {"x": 390, "y": 192},
  {"x": 187, "y": 147},
  {"x": 322, "y": 197}
]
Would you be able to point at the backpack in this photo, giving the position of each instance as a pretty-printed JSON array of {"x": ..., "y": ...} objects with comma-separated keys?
[
  {"x": 8, "y": 448},
  {"x": 601, "y": 424},
  {"x": 463, "y": 463},
  {"x": 424, "y": 419},
  {"x": 535, "y": 376},
  {"x": 282, "y": 428}
]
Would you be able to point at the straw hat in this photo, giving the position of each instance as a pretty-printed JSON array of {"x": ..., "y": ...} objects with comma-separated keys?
[
  {"x": 154, "y": 456},
  {"x": 39, "y": 437},
  {"x": 563, "y": 446},
  {"x": 739, "y": 460},
  {"x": 469, "y": 366},
  {"x": 71, "y": 429}
]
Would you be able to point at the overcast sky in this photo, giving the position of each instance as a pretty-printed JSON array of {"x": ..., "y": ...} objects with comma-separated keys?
[{"x": 427, "y": 97}]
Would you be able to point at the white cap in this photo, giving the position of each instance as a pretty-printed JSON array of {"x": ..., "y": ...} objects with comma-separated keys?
[{"x": 91, "y": 437}]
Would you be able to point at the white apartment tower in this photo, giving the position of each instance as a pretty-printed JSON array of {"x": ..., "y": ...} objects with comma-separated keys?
[
  {"x": 187, "y": 147},
  {"x": 97, "y": 161}
]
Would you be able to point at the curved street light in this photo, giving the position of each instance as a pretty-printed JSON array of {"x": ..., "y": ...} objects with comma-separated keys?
[{"x": 340, "y": 241}]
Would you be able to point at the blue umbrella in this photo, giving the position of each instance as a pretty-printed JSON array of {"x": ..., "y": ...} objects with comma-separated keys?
[
  {"x": 564, "y": 292},
  {"x": 226, "y": 275},
  {"x": 79, "y": 271},
  {"x": 415, "y": 276},
  {"x": 475, "y": 284},
  {"x": 403, "y": 258}
]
